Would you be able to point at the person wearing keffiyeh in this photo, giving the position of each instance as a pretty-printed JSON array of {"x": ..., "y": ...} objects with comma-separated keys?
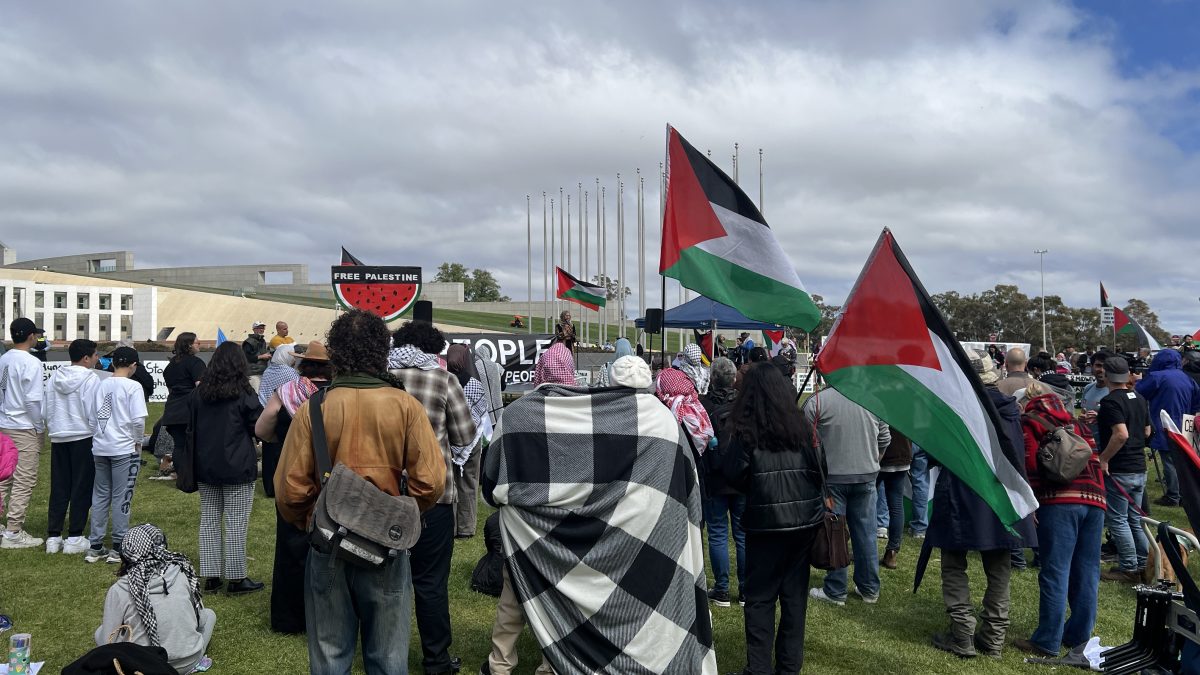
[
  {"x": 556, "y": 366},
  {"x": 279, "y": 371},
  {"x": 158, "y": 597},
  {"x": 693, "y": 367},
  {"x": 466, "y": 457},
  {"x": 675, "y": 389}
]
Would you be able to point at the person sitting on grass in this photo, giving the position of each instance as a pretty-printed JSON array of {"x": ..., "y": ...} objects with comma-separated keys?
[{"x": 156, "y": 601}]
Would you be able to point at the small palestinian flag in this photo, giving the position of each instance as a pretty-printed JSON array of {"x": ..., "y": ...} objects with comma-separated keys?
[
  {"x": 716, "y": 243},
  {"x": 892, "y": 353},
  {"x": 581, "y": 292},
  {"x": 1124, "y": 325},
  {"x": 772, "y": 341},
  {"x": 349, "y": 259}
]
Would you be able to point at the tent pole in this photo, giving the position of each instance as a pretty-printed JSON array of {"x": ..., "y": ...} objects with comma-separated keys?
[{"x": 712, "y": 342}]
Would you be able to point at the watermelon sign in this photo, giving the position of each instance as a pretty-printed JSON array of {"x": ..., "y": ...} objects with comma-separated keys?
[{"x": 386, "y": 291}]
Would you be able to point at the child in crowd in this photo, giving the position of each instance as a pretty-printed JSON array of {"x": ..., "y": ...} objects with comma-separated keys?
[
  {"x": 70, "y": 401},
  {"x": 120, "y": 422},
  {"x": 156, "y": 601}
]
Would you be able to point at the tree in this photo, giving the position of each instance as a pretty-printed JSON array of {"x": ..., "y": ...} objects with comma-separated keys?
[
  {"x": 478, "y": 285},
  {"x": 828, "y": 315},
  {"x": 611, "y": 287}
]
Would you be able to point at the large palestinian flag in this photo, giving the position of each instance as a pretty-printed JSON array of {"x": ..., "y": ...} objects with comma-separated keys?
[
  {"x": 716, "y": 243},
  {"x": 581, "y": 292},
  {"x": 892, "y": 353},
  {"x": 1124, "y": 325}
]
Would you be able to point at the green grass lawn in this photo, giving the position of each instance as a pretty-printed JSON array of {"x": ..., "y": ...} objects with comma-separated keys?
[{"x": 59, "y": 600}]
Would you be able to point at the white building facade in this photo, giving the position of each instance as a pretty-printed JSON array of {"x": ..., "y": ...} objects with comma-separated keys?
[{"x": 68, "y": 312}]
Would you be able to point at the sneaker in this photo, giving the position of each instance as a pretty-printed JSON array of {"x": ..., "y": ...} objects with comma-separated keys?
[
  {"x": 20, "y": 539},
  {"x": 947, "y": 643},
  {"x": 114, "y": 557},
  {"x": 741, "y": 601},
  {"x": 54, "y": 544},
  {"x": 819, "y": 594},
  {"x": 869, "y": 599},
  {"x": 76, "y": 545},
  {"x": 881, "y": 533},
  {"x": 1029, "y": 648},
  {"x": 95, "y": 555},
  {"x": 916, "y": 535},
  {"x": 719, "y": 598},
  {"x": 1122, "y": 576},
  {"x": 1166, "y": 501}
]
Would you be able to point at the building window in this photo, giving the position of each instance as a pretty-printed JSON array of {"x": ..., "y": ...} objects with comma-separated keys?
[
  {"x": 82, "y": 301},
  {"x": 81, "y": 331},
  {"x": 126, "y": 303},
  {"x": 105, "y": 301},
  {"x": 60, "y": 301},
  {"x": 39, "y": 299}
]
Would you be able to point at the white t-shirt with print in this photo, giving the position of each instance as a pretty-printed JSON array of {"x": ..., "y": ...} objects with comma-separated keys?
[
  {"x": 120, "y": 417},
  {"x": 21, "y": 376}
]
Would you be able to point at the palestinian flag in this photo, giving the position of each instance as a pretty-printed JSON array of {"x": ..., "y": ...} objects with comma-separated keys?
[
  {"x": 892, "y": 353},
  {"x": 1189, "y": 471},
  {"x": 716, "y": 243},
  {"x": 581, "y": 292},
  {"x": 1127, "y": 326},
  {"x": 772, "y": 341},
  {"x": 349, "y": 259}
]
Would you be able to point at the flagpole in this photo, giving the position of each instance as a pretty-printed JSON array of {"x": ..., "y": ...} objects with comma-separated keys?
[
  {"x": 567, "y": 259},
  {"x": 562, "y": 259},
  {"x": 545, "y": 273},
  {"x": 735, "y": 163},
  {"x": 599, "y": 233},
  {"x": 553, "y": 264},
  {"x": 620, "y": 257},
  {"x": 584, "y": 252},
  {"x": 580, "y": 246},
  {"x": 604, "y": 259},
  {"x": 641, "y": 244},
  {"x": 529, "y": 261},
  {"x": 760, "y": 181}
]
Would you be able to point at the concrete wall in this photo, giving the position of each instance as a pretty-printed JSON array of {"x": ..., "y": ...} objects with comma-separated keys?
[
  {"x": 84, "y": 263},
  {"x": 8, "y": 256},
  {"x": 225, "y": 276}
]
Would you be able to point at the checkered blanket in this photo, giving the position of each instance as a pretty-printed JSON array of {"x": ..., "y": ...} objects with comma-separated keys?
[{"x": 600, "y": 517}]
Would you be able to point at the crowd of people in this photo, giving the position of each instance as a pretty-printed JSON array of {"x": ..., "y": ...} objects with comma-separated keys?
[{"x": 613, "y": 476}]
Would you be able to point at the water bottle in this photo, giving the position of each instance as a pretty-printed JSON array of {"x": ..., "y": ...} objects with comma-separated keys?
[{"x": 18, "y": 654}]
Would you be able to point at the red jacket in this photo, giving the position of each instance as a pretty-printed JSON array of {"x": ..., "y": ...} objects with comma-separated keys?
[{"x": 1088, "y": 486}]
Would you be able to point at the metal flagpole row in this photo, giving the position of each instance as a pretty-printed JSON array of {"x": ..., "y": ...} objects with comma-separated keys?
[
  {"x": 545, "y": 272},
  {"x": 584, "y": 250},
  {"x": 604, "y": 257},
  {"x": 553, "y": 262},
  {"x": 529, "y": 262}
]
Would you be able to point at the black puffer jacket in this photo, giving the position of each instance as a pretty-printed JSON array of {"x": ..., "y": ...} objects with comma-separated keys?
[
  {"x": 783, "y": 489},
  {"x": 224, "y": 439}
]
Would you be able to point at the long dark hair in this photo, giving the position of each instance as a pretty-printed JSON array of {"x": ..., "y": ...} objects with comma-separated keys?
[
  {"x": 226, "y": 375},
  {"x": 460, "y": 363},
  {"x": 183, "y": 347},
  {"x": 765, "y": 414}
]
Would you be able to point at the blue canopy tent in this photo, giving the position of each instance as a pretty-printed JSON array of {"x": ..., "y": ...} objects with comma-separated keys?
[{"x": 706, "y": 313}]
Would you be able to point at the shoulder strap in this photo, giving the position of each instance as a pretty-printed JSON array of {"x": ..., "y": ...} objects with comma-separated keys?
[
  {"x": 320, "y": 444},
  {"x": 1046, "y": 424}
]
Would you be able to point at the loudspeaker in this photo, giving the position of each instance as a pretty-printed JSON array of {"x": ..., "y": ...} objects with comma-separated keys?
[
  {"x": 423, "y": 311},
  {"x": 654, "y": 319}
]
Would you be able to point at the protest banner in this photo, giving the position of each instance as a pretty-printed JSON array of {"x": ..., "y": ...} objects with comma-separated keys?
[{"x": 517, "y": 353}]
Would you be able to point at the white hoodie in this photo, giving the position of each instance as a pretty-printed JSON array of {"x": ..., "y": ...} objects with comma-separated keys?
[{"x": 70, "y": 403}]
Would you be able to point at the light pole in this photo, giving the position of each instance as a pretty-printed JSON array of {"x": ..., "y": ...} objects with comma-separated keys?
[{"x": 1041, "y": 254}]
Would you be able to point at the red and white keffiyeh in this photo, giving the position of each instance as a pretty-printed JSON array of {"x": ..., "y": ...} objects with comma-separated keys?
[
  {"x": 556, "y": 366},
  {"x": 676, "y": 390}
]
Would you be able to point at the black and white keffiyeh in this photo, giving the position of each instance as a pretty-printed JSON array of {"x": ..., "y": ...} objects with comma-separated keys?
[
  {"x": 600, "y": 517},
  {"x": 408, "y": 356},
  {"x": 147, "y": 559}
]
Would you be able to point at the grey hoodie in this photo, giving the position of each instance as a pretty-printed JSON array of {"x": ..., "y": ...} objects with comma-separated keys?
[
  {"x": 184, "y": 635},
  {"x": 852, "y": 438},
  {"x": 70, "y": 403}
]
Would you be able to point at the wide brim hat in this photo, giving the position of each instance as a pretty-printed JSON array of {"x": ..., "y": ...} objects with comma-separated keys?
[{"x": 315, "y": 351}]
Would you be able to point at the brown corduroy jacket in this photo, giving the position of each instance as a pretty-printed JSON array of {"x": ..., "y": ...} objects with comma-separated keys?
[{"x": 378, "y": 433}]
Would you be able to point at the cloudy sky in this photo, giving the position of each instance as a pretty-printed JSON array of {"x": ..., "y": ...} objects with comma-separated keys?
[{"x": 218, "y": 132}]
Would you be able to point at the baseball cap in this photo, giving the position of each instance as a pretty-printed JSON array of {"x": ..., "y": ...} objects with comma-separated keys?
[
  {"x": 20, "y": 329},
  {"x": 259, "y": 324},
  {"x": 123, "y": 356},
  {"x": 1116, "y": 369}
]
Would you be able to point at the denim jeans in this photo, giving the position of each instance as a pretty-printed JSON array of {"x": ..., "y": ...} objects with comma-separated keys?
[
  {"x": 1170, "y": 476},
  {"x": 1069, "y": 546},
  {"x": 1123, "y": 522},
  {"x": 918, "y": 473},
  {"x": 856, "y": 501},
  {"x": 342, "y": 601},
  {"x": 722, "y": 515},
  {"x": 890, "y": 488}
]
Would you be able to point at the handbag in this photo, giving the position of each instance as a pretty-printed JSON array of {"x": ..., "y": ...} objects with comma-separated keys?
[
  {"x": 353, "y": 519},
  {"x": 183, "y": 460},
  {"x": 831, "y": 549}
]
